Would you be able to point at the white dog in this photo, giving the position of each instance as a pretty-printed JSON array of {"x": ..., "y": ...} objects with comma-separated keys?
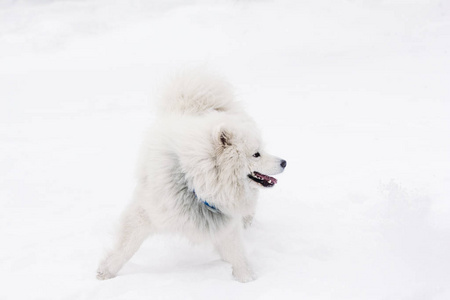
[{"x": 199, "y": 173}]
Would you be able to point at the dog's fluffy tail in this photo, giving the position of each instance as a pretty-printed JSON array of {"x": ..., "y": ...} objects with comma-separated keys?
[{"x": 196, "y": 92}]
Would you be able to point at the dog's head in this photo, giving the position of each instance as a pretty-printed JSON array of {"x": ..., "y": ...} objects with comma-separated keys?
[
  {"x": 229, "y": 166},
  {"x": 242, "y": 159}
]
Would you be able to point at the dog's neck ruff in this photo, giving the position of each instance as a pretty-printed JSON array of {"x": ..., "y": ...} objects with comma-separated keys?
[{"x": 209, "y": 206}]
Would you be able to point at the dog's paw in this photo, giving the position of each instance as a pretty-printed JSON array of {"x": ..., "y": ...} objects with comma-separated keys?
[
  {"x": 244, "y": 275},
  {"x": 247, "y": 221},
  {"x": 104, "y": 274}
]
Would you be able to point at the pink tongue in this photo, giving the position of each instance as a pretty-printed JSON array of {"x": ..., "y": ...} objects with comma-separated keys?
[{"x": 267, "y": 177}]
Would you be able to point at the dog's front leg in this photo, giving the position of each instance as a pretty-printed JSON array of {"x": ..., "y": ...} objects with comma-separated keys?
[{"x": 231, "y": 248}]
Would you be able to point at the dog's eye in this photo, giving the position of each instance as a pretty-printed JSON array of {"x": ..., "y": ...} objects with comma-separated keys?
[{"x": 256, "y": 154}]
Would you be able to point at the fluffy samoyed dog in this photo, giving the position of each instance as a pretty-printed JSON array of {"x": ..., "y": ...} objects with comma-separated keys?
[{"x": 200, "y": 170}]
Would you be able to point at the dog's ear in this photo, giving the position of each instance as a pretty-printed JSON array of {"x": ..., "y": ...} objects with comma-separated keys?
[{"x": 223, "y": 136}]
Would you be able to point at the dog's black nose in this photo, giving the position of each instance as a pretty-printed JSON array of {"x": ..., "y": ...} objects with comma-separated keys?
[{"x": 283, "y": 164}]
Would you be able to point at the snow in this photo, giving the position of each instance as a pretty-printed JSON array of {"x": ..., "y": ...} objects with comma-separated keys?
[{"x": 353, "y": 94}]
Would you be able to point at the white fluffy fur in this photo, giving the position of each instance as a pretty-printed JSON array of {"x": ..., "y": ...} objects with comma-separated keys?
[
  {"x": 197, "y": 92},
  {"x": 202, "y": 141}
]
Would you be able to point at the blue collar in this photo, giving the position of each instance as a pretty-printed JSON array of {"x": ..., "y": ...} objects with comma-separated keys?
[{"x": 209, "y": 206}]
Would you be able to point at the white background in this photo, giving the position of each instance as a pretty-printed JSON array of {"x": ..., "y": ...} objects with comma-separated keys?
[{"x": 355, "y": 95}]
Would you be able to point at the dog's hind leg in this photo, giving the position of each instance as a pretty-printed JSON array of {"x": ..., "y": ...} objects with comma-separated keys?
[
  {"x": 231, "y": 248},
  {"x": 134, "y": 229}
]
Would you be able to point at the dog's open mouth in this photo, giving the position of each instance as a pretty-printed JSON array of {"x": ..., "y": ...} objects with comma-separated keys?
[{"x": 262, "y": 179}]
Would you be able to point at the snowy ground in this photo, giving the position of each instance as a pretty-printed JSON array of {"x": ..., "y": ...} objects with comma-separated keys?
[{"x": 354, "y": 94}]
